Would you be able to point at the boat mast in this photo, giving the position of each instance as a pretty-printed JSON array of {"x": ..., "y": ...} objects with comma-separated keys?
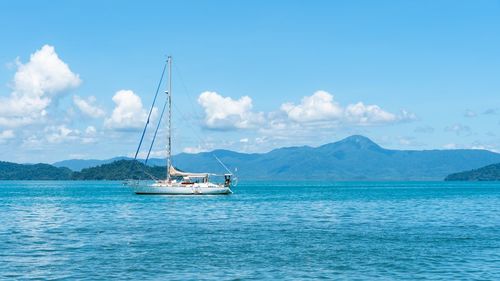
[{"x": 169, "y": 95}]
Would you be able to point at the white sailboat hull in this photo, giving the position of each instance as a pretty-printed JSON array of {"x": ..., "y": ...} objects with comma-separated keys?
[{"x": 179, "y": 189}]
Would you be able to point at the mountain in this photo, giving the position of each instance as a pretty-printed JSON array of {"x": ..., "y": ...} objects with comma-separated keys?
[
  {"x": 487, "y": 173},
  {"x": 353, "y": 158},
  {"x": 12, "y": 171}
]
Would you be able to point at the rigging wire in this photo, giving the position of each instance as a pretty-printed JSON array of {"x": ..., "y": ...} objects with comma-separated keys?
[
  {"x": 217, "y": 158},
  {"x": 197, "y": 115},
  {"x": 147, "y": 121},
  {"x": 156, "y": 131},
  {"x": 159, "y": 122},
  {"x": 201, "y": 140},
  {"x": 188, "y": 93},
  {"x": 150, "y": 111}
]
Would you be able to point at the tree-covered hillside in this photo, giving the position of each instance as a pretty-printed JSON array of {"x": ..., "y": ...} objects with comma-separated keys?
[
  {"x": 488, "y": 173},
  {"x": 120, "y": 170},
  {"x": 12, "y": 171}
]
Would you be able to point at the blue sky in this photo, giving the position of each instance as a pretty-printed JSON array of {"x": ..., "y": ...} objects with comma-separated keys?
[{"x": 248, "y": 76}]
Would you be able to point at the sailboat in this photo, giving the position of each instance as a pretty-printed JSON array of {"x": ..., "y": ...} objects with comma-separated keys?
[{"x": 179, "y": 182}]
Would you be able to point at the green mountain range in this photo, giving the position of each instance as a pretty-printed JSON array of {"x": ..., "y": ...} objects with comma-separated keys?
[{"x": 353, "y": 158}]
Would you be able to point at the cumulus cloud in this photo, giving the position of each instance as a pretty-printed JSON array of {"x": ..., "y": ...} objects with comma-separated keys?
[
  {"x": 128, "y": 114},
  {"x": 362, "y": 114},
  {"x": 318, "y": 107},
  {"x": 35, "y": 85},
  {"x": 313, "y": 114},
  {"x": 88, "y": 107},
  {"x": 225, "y": 113},
  {"x": 321, "y": 106}
]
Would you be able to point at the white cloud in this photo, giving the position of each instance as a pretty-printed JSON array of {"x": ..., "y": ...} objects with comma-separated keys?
[
  {"x": 450, "y": 146},
  {"x": 319, "y": 110},
  {"x": 475, "y": 145},
  {"x": 479, "y": 147},
  {"x": 362, "y": 114},
  {"x": 91, "y": 131},
  {"x": 128, "y": 112},
  {"x": 407, "y": 116},
  {"x": 491, "y": 146},
  {"x": 194, "y": 149},
  {"x": 61, "y": 133},
  {"x": 226, "y": 113},
  {"x": 35, "y": 85},
  {"x": 57, "y": 134},
  {"x": 6, "y": 135},
  {"x": 309, "y": 121},
  {"x": 321, "y": 107},
  {"x": 410, "y": 141},
  {"x": 260, "y": 140},
  {"x": 32, "y": 142},
  {"x": 154, "y": 154},
  {"x": 88, "y": 107},
  {"x": 318, "y": 107},
  {"x": 90, "y": 135}
]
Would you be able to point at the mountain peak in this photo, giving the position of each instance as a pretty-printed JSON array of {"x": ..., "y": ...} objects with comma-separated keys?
[
  {"x": 355, "y": 142},
  {"x": 359, "y": 139}
]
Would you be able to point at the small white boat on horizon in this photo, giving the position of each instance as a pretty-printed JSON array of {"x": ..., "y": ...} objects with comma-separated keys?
[{"x": 178, "y": 182}]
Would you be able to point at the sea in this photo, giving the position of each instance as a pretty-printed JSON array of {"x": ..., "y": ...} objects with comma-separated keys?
[{"x": 81, "y": 230}]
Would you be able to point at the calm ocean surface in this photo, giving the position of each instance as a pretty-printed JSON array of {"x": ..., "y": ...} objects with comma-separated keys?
[{"x": 294, "y": 231}]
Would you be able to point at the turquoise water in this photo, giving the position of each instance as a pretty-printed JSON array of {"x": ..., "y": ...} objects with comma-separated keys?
[{"x": 293, "y": 231}]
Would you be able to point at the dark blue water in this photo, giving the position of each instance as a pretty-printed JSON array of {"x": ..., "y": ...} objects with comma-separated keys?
[{"x": 101, "y": 230}]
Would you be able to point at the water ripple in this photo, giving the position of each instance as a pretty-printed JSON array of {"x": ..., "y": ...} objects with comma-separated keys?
[{"x": 293, "y": 231}]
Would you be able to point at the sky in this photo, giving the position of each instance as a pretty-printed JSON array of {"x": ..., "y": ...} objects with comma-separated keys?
[{"x": 77, "y": 78}]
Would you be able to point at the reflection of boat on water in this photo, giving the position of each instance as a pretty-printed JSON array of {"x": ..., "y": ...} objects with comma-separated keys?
[{"x": 179, "y": 182}]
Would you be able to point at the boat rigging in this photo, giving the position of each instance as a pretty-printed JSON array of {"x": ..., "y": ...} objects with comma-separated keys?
[{"x": 177, "y": 181}]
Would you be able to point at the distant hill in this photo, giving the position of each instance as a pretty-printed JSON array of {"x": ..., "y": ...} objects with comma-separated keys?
[
  {"x": 487, "y": 173},
  {"x": 80, "y": 164},
  {"x": 120, "y": 170},
  {"x": 353, "y": 158},
  {"x": 12, "y": 171}
]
